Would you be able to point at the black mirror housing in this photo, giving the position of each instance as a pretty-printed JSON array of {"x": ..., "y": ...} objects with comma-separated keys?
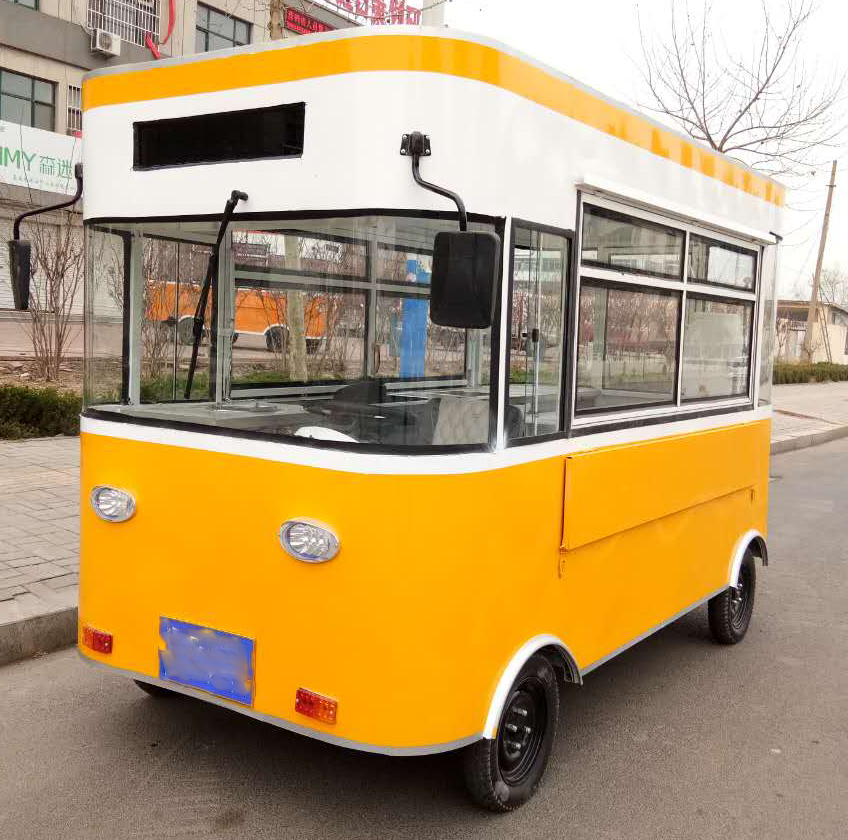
[
  {"x": 19, "y": 271},
  {"x": 464, "y": 279}
]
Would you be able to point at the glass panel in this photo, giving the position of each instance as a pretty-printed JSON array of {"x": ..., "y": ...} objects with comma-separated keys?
[
  {"x": 202, "y": 16},
  {"x": 540, "y": 263},
  {"x": 624, "y": 243},
  {"x": 15, "y": 110},
  {"x": 43, "y": 116},
  {"x": 159, "y": 322},
  {"x": 769, "y": 336},
  {"x": 719, "y": 262},
  {"x": 626, "y": 347},
  {"x": 16, "y": 84},
  {"x": 106, "y": 262},
  {"x": 242, "y": 32},
  {"x": 716, "y": 348},
  {"x": 312, "y": 328},
  {"x": 221, "y": 24},
  {"x": 199, "y": 41},
  {"x": 217, "y": 42},
  {"x": 43, "y": 92}
]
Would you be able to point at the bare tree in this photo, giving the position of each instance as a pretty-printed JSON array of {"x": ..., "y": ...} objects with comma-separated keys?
[
  {"x": 58, "y": 264},
  {"x": 765, "y": 107},
  {"x": 833, "y": 286}
]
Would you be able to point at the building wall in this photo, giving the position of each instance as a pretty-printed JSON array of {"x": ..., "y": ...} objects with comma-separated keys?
[{"x": 790, "y": 343}]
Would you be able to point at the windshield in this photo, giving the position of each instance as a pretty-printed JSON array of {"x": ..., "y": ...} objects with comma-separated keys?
[{"x": 315, "y": 328}]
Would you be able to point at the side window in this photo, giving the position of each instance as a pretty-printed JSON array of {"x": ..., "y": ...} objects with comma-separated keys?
[
  {"x": 670, "y": 337},
  {"x": 537, "y": 317},
  {"x": 626, "y": 346}
]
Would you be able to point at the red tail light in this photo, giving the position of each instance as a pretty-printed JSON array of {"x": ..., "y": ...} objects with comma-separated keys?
[
  {"x": 97, "y": 639},
  {"x": 315, "y": 706}
]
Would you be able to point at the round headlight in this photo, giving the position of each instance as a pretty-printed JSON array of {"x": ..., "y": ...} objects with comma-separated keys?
[
  {"x": 112, "y": 504},
  {"x": 310, "y": 541}
]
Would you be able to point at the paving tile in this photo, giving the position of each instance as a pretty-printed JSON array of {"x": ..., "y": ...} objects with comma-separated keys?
[
  {"x": 22, "y": 562},
  {"x": 10, "y": 592},
  {"x": 63, "y": 581}
]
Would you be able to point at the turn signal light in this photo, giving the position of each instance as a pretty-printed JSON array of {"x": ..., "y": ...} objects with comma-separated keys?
[
  {"x": 96, "y": 639},
  {"x": 315, "y": 706}
]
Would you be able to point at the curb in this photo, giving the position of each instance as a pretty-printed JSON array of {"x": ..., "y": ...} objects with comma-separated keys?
[
  {"x": 804, "y": 441},
  {"x": 40, "y": 634}
]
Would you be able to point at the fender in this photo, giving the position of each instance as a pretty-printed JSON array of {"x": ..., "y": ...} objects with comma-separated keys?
[
  {"x": 515, "y": 665},
  {"x": 757, "y": 542}
]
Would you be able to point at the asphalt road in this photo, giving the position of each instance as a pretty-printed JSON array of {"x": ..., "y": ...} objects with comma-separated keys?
[{"x": 676, "y": 738}]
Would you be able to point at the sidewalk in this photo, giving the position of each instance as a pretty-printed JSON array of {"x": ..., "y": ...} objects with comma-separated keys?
[{"x": 39, "y": 517}]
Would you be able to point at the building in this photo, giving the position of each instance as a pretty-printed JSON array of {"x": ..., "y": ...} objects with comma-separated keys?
[
  {"x": 45, "y": 48},
  {"x": 830, "y": 334}
]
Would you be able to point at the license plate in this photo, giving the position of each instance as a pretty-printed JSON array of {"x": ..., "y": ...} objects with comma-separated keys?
[{"x": 210, "y": 660}]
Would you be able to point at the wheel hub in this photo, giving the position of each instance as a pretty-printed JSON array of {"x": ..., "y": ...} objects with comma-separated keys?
[{"x": 521, "y": 732}]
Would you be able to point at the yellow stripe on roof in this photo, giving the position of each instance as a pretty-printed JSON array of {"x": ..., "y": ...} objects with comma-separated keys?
[{"x": 428, "y": 54}]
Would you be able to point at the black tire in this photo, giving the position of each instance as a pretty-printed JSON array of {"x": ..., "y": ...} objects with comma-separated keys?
[
  {"x": 276, "y": 340},
  {"x": 503, "y": 773},
  {"x": 730, "y": 613},
  {"x": 155, "y": 690}
]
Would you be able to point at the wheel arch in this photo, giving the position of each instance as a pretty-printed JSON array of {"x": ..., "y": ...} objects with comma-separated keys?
[
  {"x": 757, "y": 543},
  {"x": 561, "y": 658}
]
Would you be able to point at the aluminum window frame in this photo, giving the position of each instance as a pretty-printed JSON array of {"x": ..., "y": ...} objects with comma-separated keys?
[
  {"x": 207, "y": 32},
  {"x": 566, "y": 324},
  {"x": 584, "y": 422},
  {"x": 32, "y": 100}
]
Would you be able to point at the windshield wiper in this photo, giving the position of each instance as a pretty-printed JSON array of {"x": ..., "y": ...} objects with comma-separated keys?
[{"x": 211, "y": 271}]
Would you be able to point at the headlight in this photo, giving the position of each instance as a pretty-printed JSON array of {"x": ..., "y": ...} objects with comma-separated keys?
[
  {"x": 112, "y": 504},
  {"x": 310, "y": 541}
]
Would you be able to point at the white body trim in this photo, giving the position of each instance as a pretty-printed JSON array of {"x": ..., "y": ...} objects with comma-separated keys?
[
  {"x": 511, "y": 671},
  {"x": 739, "y": 554},
  {"x": 369, "y": 463}
]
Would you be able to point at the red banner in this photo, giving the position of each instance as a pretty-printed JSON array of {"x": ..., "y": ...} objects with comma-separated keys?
[{"x": 304, "y": 24}]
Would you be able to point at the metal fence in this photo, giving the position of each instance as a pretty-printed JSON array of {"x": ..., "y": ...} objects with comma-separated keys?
[{"x": 130, "y": 20}]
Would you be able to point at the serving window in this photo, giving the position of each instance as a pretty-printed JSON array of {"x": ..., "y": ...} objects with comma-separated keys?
[{"x": 679, "y": 334}]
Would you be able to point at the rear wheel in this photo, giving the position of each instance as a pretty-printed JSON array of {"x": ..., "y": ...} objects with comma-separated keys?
[
  {"x": 503, "y": 773},
  {"x": 730, "y": 612},
  {"x": 154, "y": 690}
]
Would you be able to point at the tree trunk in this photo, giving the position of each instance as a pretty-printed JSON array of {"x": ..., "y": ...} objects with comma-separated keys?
[{"x": 294, "y": 317}]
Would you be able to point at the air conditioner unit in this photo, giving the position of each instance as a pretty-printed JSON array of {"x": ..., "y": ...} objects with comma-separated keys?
[{"x": 105, "y": 42}]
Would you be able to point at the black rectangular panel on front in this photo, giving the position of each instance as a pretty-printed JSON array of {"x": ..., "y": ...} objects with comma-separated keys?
[{"x": 215, "y": 138}]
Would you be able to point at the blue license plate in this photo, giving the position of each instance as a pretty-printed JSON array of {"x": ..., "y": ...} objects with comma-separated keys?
[{"x": 211, "y": 660}]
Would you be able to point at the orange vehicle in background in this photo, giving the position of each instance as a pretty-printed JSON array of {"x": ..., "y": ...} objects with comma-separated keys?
[{"x": 258, "y": 312}]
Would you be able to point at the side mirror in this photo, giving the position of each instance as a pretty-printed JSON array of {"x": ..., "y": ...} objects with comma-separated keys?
[
  {"x": 464, "y": 279},
  {"x": 19, "y": 272}
]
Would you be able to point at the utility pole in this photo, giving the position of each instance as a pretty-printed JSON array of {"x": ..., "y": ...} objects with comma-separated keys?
[
  {"x": 813, "y": 311},
  {"x": 434, "y": 15}
]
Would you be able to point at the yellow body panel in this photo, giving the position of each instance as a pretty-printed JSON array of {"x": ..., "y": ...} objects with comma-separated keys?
[
  {"x": 415, "y": 53},
  {"x": 439, "y": 581}
]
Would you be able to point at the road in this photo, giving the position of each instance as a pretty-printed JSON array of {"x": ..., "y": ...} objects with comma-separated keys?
[{"x": 676, "y": 738}]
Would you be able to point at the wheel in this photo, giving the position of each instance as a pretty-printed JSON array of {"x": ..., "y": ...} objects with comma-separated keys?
[
  {"x": 730, "y": 613},
  {"x": 154, "y": 690},
  {"x": 503, "y": 773},
  {"x": 276, "y": 339}
]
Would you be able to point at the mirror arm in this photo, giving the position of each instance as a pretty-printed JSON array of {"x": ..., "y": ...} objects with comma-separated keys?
[
  {"x": 16, "y": 225},
  {"x": 416, "y": 145}
]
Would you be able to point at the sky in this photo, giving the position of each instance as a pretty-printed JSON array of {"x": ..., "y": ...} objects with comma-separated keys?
[{"x": 598, "y": 44}]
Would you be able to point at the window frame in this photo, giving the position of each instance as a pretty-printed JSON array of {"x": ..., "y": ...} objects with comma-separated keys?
[
  {"x": 587, "y": 422},
  {"x": 32, "y": 100},
  {"x": 654, "y": 223},
  {"x": 699, "y": 295},
  {"x": 498, "y": 223},
  {"x": 611, "y": 285},
  {"x": 207, "y": 32},
  {"x": 565, "y": 395},
  {"x": 757, "y": 255}
]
